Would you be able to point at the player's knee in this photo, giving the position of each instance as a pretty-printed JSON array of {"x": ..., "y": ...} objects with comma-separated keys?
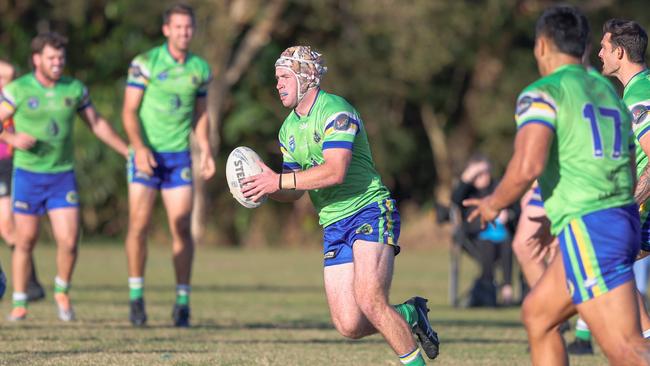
[
  {"x": 531, "y": 317},
  {"x": 349, "y": 328},
  {"x": 180, "y": 226},
  {"x": 68, "y": 244}
]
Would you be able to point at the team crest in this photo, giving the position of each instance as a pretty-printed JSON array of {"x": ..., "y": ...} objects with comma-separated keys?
[
  {"x": 342, "y": 122},
  {"x": 186, "y": 174},
  {"x": 317, "y": 137},
  {"x": 32, "y": 102},
  {"x": 72, "y": 197},
  {"x": 639, "y": 112},
  {"x": 292, "y": 143},
  {"x": 365, "y": 229},
  {"x": 163, "y": 76},
  {"x": 524, "y": 104}
]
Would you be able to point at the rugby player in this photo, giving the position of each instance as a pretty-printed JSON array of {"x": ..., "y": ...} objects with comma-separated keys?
[
  {"x": 325, "y": 151},
  {"x": 34, "y": 289},
  {"x": 574, "y": 136},
  {"x": 165, "y": 98},
  {"x": 43, "y": 105}
]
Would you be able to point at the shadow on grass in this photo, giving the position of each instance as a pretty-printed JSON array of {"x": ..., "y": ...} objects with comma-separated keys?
[
  {"x": 204, "y": 288},
  {"x": 474, "y": 323}
]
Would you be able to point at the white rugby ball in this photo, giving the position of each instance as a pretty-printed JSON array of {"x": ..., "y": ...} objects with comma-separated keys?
[{"x": 242, "y": 163}]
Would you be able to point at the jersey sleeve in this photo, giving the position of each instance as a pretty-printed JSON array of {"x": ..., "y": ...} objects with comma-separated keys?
[
  {"x": 9, "y": 97},
  {"x": 341, "y": 128},
  {"x": 288, "y": 162},
  {"x": 536, "y": 106},
  {"x": 84, "y": 99},
  {"x": 640, "y": 118},
  {"x": 205, "y": 83},
  {"x": 139, "y": 73}
]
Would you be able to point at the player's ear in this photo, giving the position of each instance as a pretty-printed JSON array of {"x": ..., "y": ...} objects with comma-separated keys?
[
  {"x": 620, "y": 52},
  {"x": 165, "y": 30}
]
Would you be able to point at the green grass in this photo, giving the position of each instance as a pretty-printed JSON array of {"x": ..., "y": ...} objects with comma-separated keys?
[{"x": 250, "y": 307}]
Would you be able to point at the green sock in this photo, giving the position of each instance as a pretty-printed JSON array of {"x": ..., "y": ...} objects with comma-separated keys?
[
  {"x": 60, "y": 286},
  {"x": 407, "y": 311},
  {"x": 136, "y": 288},
  {"x": 19, "y": 300},
  {"x": 582, "y": 330},
  {"x": 412, "y": 359},
  {"x": 183, "y": 294}
]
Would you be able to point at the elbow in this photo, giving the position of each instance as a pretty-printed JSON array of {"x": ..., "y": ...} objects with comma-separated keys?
[{"x": 532, "y": 170}]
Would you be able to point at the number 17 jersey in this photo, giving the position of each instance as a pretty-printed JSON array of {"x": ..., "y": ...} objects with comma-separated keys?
[{"x": 588, "y": 166}]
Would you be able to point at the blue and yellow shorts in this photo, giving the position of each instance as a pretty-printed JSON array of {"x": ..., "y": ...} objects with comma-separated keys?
[
  {"x": 536, "y": 198},
  {"x": 36, "y": 193},
  {"x": 598, "y": 251},
  {"x": 174, "y": 170},
  {"x": 378, "y": 222}
]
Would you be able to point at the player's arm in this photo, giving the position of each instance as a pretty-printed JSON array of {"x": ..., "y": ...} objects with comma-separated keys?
[
  {"x": 202, "y": 134},
  {"x": 18, "y": 140},
  {"x": 532, "y": 143},
  {"x": 144, "y": 160},
  {"x": 642, "y": 190},
  {"x": 103, "y": 130}
]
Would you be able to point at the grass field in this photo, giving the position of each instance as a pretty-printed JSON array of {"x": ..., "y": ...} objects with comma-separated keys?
[{"x": 250, "y": 307}]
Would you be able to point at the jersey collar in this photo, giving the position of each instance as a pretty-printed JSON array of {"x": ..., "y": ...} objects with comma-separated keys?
[
  {"x": 568, "y": 67},
  {"x": 639, "y": 75},
  {"x": 310, "y": 108},
  {"x": 171, "y": 58}
]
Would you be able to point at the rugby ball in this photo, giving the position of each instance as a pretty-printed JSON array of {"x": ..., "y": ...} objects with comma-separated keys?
[{"x": 242, "y": 163}]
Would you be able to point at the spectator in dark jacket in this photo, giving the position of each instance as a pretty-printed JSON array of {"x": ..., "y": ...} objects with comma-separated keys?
[{"x": 490, "y": 245}]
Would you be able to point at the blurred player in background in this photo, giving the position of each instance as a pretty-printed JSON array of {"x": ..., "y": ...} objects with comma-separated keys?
[
  {"x": 34, "y": 289},
  {"x": 43, "y": 105},
  {"x": 574, "y": 134},
  {"x": 325, "y": 151},
  {"x": 164, "y": 99}
]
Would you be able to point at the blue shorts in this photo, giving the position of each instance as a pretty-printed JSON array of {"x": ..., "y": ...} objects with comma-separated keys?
[
  {"x": 174, "y": 170},
  {"x": 598, "y": 251},
  {"x": 36, "y": 193},
  {"x": 378, "y": 222},
  {"x": 536, "y": 198}
]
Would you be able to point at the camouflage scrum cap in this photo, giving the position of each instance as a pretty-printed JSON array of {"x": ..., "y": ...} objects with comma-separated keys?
[{"x": 308, "y": 66}]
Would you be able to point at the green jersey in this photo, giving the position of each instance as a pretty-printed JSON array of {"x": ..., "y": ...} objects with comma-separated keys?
[
  {"x": 637, "y": 98},
  {"x": 588, "y": 166},
  {"x": 170, "y": 91},
  {"x": 332, "y": 123},
  {"x": 47, "y": 114}
]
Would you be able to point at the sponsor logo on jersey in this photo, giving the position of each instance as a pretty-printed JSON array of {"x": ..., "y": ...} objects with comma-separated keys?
[
  {"x": 68, "y": 102},
  {"x": 53, "y": 128},
  {"x": 331, "y": 254},
  {"x": 32, "y": 102},
  {"x": 72, "y": 197},
  {"x": 317, "y": 137},
  {"x": 365, "y": 229},
  {"x": 342, "y": 122},
  {"x": 292, "y": 143},
  {"x": 639, "y": 112},
  {"x": 303, "y": 126},
  {"x": 21, "y": 205},
  {"x": 135, "y": 71},
  {"x": 175, "y": 102},
  {"x": 186, "y": 174},
  {"x": 163, "y": 76},
  {"x": 523, "y": 104}
]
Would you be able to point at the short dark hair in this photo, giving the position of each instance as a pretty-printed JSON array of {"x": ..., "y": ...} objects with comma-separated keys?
[
  {"x": 52, "y": 39},
  {"x": 179, "y": 9},
  {"x": 567, "y": 27},
  {"x": 629, "y": 35}
]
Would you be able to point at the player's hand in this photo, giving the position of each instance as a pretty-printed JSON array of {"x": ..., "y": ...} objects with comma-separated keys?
[
  {"x": 22, "y": 141},
  {"x": 258, "y": 186},
  {"x": 642, "y": 254},
  {"x": 145, "y": 161},
  {"x": 207, "y": 165},
  {"x": 484, "y": 211},
  {"x": 542, "y": 242}
]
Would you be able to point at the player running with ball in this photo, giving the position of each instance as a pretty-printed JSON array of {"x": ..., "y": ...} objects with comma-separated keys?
[{"x": 326, "y": 152}]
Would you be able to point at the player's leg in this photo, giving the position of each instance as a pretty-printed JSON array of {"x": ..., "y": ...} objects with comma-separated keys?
[
  {"x": 526, "y": 227},
  {"x": 546, "y": 306},
  {"x": 65, "y": 229},
  {"x": 27, "y": 228},
  {"x": 141, "y": 202},
  {"x": 178, "y": 203}
]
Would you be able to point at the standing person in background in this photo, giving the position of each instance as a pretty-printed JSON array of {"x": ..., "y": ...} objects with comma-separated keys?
[
  {"x": 34, "y": 289},
  {"x": 485, "y": 245},
  {"x": 43, "y": 105},
  {"x": 165, "y": 97}
]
